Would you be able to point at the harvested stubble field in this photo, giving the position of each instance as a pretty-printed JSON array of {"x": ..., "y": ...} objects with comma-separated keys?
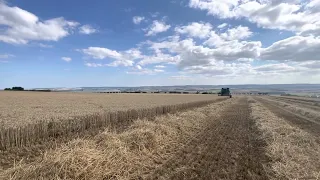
[{"x": 239, "y": 138}]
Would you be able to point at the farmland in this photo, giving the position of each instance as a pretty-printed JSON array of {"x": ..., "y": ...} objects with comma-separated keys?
[
  {"x": 208, "y": 137},
  {"x": 18, "y": 108}
]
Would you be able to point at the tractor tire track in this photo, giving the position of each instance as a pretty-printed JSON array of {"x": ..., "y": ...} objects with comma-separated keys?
[{"x": 227, "y": 149}]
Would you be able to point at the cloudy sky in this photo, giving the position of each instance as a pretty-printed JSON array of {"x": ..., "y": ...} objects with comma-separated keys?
[{"x": 151, "y": 42}]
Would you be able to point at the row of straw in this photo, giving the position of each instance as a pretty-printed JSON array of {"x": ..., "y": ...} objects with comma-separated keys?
[{"x": 45, "y": 130}]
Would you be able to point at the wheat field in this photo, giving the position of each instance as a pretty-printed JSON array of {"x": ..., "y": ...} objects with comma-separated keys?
[
  {"x": 29, "y": 118},
  {"x": 20, "y": 108},
  {"x": 154, "y": 136}
]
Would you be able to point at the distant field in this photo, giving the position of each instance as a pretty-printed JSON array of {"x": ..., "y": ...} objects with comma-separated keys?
[{"x": 19, "y": 108}]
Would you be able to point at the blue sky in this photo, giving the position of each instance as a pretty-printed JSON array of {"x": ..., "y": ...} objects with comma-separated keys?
[{"x": 149, "y": 42}]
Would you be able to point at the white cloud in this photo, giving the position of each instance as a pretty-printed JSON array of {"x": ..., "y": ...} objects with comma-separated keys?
[
  {"x": 219, "y": 68},
  {"x": 225, "y": 51},
  {"x": 231, "y": 59},
  {"x": 93, "y": 64},
  {"x": 138, "y": 67},
  {"x": 125, "y": 58},
  {"x": 121, "y": 62},
  {"x": 214, "y": 40},
  {"x": 102, "y": 53},
  {"x": 5, "y": 56},
  {"x": 128, "y": 57},
  {"x": 219, "y": 8},
  {"x": 233, "y": 34},
  {"x": 159, "y": 58},
  {"x": 190, "y": 54},
  {"x": 296, "y": 48},
  {"x": 220, "y": 61},
  {"x": 144, "y": 71},
  {"x": 87, "y": 29},
  {"x": 310, "y": 64},
  {"x": 22, "y": 26},
  {"x": 222, "y": 25},
  {"x": 281, "y": 67},
  {"x": 160, "y": 66},
  {"x": 245, "y": 60},
  {"x": 45, "y": 45},
  {"x": 195, "y": 29},
  {"x": 291, "y": 15},
  {"x": 233, "y": 70},
  {"x": 311, "y": 32},
  {"x": 248, "y": 79},
  {"x": 155, "y": 14},
  {"x": 313, "y": 6},
  {"x": 235, "y": 50},
  {"x": 67, "y": 59},
  {"x": 157, "y": 27},
  {"x": 283, "y": 16},
  {"x": 158, "y": 70},
  {"x": 133, "y": 53},
  {"x": 173, "y": 45},
  {"x": 237, "y": 33},
  {"x": 137, "y": 19}
]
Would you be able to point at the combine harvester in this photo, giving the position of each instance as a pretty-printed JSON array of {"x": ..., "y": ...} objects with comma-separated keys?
[{"x": 225, "y": 92}]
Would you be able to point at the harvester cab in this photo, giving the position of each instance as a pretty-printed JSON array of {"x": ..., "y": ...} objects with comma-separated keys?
[{"x": 225, "y": 92}]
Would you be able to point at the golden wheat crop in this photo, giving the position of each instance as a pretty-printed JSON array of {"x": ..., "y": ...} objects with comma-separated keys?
[
  {"x": 20, "y": 108},
  {"x": 29, "y": 118}
]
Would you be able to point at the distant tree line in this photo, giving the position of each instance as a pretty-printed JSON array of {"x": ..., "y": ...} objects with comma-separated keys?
[
  {"x": 157, "y": 92},
  {"x": 22, "y": 89},
  {"x": 198, "y": 92},
  {"x": 14, "y": 89}
]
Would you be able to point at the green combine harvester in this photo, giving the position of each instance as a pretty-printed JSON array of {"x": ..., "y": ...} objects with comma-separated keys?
[{"x": 225, "y": 92}]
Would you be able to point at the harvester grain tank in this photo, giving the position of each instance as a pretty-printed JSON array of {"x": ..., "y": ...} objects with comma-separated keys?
[{"x": 225, "y": 92}]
